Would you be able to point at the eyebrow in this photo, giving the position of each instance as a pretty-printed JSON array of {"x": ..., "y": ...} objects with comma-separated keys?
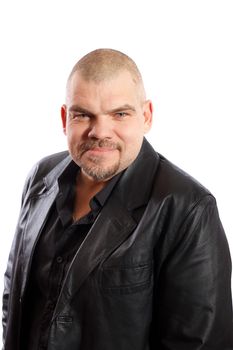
[
  {"x": 125, "y": 107},
  {"x": 77, "y": 108}
]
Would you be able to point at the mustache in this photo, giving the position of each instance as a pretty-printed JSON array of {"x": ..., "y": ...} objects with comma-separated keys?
[{"x": 104, "y": 143}]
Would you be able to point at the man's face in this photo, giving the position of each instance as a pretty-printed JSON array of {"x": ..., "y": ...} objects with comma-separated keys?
[{"x": 105, "y": 123}]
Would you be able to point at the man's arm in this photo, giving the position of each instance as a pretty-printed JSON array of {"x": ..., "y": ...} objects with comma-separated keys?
[
  {"x": 7, "y": 286},
  {"x": 8, "y": 277},
  {"x": 195, "y": 306}
]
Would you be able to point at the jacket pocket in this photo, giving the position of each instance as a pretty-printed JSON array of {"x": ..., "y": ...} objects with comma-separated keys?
[{"x": 126, "y": 279}]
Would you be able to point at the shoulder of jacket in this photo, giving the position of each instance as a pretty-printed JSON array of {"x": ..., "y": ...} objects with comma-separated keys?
[
  {"x": 171, "y": 181},
  {"x": 43, "y": 167},
  {"x": 50, "y": 161},
  {"x": 182, "y": 200}
]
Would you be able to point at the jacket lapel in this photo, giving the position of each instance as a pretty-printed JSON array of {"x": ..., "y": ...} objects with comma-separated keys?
[
  {"x": 111, "y": 228},
  {"x": 38, "y": 211},
  {"x": 39, "y": 204}
]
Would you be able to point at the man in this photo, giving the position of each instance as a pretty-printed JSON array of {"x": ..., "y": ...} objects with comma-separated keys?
[{"x": 115, "y": 248}]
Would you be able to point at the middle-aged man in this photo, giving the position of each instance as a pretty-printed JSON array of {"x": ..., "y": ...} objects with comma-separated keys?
[{"x": 116, "y": 248}]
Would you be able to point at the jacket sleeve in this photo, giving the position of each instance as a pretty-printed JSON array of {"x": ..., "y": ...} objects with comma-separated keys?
[
  {"x": 194, "y": 302},
  {"x": 8, "y": 276},
  {"x": 7, "y": 287}
]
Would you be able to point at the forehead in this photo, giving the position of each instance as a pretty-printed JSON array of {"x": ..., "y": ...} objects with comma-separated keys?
[{"x": 119, "y": 85}]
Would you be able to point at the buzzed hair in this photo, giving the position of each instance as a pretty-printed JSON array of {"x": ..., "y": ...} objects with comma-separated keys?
[{"x": 103, "y": 64}]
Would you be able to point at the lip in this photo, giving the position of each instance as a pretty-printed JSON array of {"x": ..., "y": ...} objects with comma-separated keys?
[{"x": 101, "y": 150}]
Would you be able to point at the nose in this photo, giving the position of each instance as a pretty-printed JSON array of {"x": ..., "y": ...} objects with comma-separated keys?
[{"x": 100, "y": 128}]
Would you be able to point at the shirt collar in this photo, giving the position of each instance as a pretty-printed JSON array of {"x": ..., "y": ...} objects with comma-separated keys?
[
  {"x": 66, "y": 197},
  {"x": 102, "y": 196}
]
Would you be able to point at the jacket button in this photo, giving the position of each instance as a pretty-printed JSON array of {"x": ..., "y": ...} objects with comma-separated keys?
[{"x": 59, "y": 259}]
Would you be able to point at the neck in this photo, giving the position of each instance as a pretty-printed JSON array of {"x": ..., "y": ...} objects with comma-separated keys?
[
  {"x": 86, "y": 188},
  {"x": 90, "y": 185}
]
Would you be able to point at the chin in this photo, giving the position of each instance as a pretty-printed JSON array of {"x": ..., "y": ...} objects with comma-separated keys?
[{"x": 99, "y": 173}]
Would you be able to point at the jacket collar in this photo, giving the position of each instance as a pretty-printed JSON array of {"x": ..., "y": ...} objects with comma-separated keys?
[
  {"x": 51, "y": 179},
  {"x": 134, "y": 187}
]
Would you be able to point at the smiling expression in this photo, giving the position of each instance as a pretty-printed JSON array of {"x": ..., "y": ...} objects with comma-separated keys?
[{"x": 105, "y": 123}]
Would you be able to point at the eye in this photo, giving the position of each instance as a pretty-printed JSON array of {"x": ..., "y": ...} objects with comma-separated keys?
[
  {"x": 121, "y": 114},
  {"x": 78, "y": 116}
]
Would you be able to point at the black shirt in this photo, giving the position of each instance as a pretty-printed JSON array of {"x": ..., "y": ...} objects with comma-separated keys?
[{"x": 60, "y": 239}]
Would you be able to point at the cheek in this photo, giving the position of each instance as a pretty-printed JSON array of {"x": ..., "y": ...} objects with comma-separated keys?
[
  {"x": 132, "y": 136},
  {"x": 74, "y": 134},
  {"x": 132, "y": 142}
]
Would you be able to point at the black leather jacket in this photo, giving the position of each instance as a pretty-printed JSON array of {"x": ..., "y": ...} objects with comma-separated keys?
[{"x": 154, "y": 272}]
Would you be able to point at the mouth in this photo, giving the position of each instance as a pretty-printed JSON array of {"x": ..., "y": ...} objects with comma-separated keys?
[
  {"x": 98, "y": 148},
  {"x": 101, "y": 149},
  {"x": 98, "y": 151}
]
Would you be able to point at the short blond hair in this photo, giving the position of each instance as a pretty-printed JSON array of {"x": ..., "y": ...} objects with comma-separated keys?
[{"x": 103, "y": 64}]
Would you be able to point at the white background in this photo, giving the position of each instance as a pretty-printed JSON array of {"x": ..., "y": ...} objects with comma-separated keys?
[{"x": 184, "y": 50}]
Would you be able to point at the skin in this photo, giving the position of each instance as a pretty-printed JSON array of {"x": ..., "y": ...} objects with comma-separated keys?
[{"x": 104, "y": 123}]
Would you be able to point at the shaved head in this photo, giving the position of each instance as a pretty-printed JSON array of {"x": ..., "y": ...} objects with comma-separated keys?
[
  {"x": 106, "y": 115},
  {"x": 105, "y": 64}
]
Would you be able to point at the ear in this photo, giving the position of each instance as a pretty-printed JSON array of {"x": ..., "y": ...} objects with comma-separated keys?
[
  {"x": 63, "y": 117},
  {"x": 148, "y": 114}
]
